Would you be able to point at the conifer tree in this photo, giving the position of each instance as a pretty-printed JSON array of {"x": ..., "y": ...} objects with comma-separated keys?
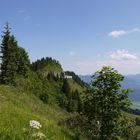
[
  {"x": 14, "y": 59},
  {"x": 66, "y": 87},
  {"x": 22, "y": 61},
  {"x": 12, "y": 69},
  {"x": 5, "y": 51}
]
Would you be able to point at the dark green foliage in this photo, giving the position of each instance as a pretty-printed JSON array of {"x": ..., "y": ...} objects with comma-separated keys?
[
  {"x": 43, "y": 62},
  {"x": 47, "y": 90},
  {"x": 30, "y": 84},
  {"x": 14, "y": 60},
  {"x": 5, "y": 51},
  {"x": 66, "y": 87},
  {"x": 22, "y": 62},
  {"x": 44, "y": 96},
  {"x": 74, "y": 102},
  {"x": 63, "y": 99},
  {"x": 105, "y": 101},
  {"x": 88, "y": 129},
  {"x": 48, "y": 68},
  {"x": 70, "y": 99}
]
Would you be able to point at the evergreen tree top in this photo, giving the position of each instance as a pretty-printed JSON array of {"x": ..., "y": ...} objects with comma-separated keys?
[{"x": 7, "y": 29}]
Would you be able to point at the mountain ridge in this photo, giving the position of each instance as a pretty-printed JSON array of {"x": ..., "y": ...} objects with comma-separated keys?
[{"x": 130, "y": 81}]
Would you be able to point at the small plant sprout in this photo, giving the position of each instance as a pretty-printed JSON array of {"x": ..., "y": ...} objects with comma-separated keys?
[{"x": 35, "y": 124}]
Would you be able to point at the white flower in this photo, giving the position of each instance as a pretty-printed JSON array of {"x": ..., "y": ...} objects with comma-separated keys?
[
  {"x": 35, "y": 124},
  {"x": 39, "y": 136}
]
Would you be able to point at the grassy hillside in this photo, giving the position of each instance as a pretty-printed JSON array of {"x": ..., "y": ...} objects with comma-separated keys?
[
  {"x": 17, "y": 109},
  {"x": 75, "y": 86}
]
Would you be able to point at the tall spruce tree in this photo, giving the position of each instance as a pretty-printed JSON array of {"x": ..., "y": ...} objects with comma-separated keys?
[
  {"x": 5, "y": 50},
  {"x": 12, "y": 69},
  {"x": 14, "y": 59}
]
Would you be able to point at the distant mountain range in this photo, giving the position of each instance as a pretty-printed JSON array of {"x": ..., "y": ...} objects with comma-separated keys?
[{"x": 130, "y": 81}]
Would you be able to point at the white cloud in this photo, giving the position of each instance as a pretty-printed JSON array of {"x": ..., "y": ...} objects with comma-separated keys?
[
  {"x": 124, "y": 67},
  {"x": 122, "y": 55},
  {"x": 118, "y": 33},
  {"x": 72, "y": 53},
  {"x": 122, "y": 60},
  {"x": 91, "y": 66}
]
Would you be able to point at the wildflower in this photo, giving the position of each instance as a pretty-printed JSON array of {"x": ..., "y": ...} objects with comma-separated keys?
[
  {"x": 35, "y": 124},
  {"x": 39, "y": 136}
]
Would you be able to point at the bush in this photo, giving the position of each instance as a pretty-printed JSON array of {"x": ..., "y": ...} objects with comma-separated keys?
[{"x": 86, "y": 128}]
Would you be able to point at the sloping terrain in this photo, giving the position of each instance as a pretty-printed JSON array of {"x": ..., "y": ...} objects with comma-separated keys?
[{"x": 17, "y": 109}]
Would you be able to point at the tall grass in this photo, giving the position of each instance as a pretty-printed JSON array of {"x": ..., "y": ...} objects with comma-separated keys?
[{"x": 17, "y": 109}]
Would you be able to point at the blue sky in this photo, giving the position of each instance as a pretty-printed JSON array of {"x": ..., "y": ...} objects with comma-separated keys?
[{"x": 83, "y": 35}]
